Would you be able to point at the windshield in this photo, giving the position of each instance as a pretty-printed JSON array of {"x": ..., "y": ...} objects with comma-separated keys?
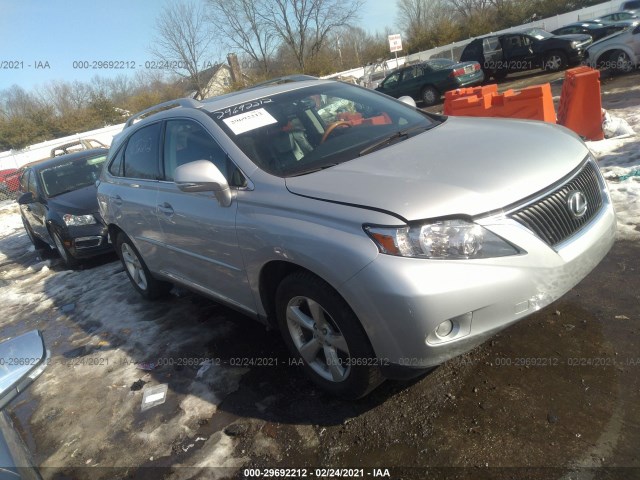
[
  {"x": 316, "y": 127},
  {"x": 538, "y": 33},
  {"x": 72, "y": 175}
]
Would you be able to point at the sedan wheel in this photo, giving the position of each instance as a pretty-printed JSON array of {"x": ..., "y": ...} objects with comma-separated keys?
[
  {"x": 326, "y": 336},
  {"x": 66, "y": 257},
  {"x": 429, "y": 96}
]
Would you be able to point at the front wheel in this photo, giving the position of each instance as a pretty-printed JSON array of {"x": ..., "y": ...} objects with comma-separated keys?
[
  {"x": 555, "y": 61},
  {"x": 69, "y": 260},
  {"x": 320, "y": 329},
  {"x": 620, "y": 61},
  {"x": 137, "y": 271},
  {"x": 429, "y": 96}
]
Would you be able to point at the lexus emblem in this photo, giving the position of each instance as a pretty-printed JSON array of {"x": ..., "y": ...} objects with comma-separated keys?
[{"x": 577, "y": 204}]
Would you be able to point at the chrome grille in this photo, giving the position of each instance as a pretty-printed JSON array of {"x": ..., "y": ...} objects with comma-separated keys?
[{"x": 550, "y": 217}]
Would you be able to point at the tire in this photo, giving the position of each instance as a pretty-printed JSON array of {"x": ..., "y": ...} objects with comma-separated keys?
[
  {"x": 500, "y": 74},
  {"x": 555, "y": 61},
  {"x": 37, "y": 242},
  {"x": 137, "y": 271},
  {"x": 321, "y": 330},
  {"x": 69, "y": 260},
  {"x": 620, "y": 62},
  {"x": 429, "y": 96}
]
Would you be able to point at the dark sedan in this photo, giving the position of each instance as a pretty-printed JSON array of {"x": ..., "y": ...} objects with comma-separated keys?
[
  {"x": 59, "y": 207},
  {"x": 595, "y": 30},
  {"x": 429, "y": 80}
]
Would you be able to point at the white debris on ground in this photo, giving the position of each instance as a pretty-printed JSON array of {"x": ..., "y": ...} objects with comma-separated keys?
[
  {"x": 619, "y": 157},
  {"x": 99, "y": 329}
]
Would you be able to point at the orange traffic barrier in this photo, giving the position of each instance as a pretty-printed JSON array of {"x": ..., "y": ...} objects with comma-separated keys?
[
  {"x": 532, "y": 103},
  {"x": 580, "y": 106},
  {"x": 477, "y": 92}
]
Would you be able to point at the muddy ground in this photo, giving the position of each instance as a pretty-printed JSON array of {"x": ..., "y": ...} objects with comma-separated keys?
[{"x": 554, "y": 396}]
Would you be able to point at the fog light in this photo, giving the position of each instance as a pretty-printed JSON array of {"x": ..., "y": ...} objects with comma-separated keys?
[
  {"x": 444, "y": 328},
  {"x": 451, "y": 329}
]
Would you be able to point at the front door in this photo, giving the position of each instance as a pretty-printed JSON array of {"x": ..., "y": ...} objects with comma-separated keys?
[{"x": 199, "y": 235}]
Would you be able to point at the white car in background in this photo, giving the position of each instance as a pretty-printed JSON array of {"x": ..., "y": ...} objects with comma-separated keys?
[{"x": 619, "y": 52}]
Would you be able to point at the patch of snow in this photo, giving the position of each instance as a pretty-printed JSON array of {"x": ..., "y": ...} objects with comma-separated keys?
[{"x": 621, "y": 156}]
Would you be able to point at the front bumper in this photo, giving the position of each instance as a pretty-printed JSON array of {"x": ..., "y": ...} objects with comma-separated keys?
[
  {"x": 87, "y": 240},
  {"x": 401, "y": 301},
  {"x": 577, "y": 56}
]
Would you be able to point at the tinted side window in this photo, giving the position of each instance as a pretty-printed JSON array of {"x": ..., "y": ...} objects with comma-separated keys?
[
  {"x": 491, "y": 44},
  {"x": 115, "y": 168},
  {"x": 186, "y": 141},
  {"x": 141, "y": 153}
]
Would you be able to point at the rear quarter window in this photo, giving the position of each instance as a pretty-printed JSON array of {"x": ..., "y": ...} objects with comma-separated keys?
[{"x": 141, "y": 155}]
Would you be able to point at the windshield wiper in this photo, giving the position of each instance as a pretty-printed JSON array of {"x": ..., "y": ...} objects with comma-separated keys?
[
  {"x": 312, "y": 170},
  {"x": 386, "y": 141}
]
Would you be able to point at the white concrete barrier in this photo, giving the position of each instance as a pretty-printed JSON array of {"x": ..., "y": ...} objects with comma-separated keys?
[{"x": 38, "y": 151}]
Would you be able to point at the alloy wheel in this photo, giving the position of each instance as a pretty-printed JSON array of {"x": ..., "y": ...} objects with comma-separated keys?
[
  {"x": 134, "y": 266},
  {"x": 318, "y": 339}
]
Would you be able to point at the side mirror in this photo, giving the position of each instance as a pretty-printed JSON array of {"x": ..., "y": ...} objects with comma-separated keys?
[
  {"x": 22, "y": 360},
  {"x": 26, "y": 198},
  {"x": 203, "y": 176},
  {"x": 408, "y": 100}
]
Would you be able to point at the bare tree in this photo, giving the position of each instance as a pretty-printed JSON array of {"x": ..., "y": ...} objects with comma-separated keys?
[
  {"x": 425, "y": 23},
  {"x": 184, "y": 41},
  {"x": 241, "y": 25},
  {"x": 304, "y": 26}
]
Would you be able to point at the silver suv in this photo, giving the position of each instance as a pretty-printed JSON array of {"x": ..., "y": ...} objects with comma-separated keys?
[{"x": 379, "y": 239}]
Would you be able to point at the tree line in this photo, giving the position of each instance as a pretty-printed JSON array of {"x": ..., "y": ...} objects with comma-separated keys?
[{"x": 270, "y": 37}]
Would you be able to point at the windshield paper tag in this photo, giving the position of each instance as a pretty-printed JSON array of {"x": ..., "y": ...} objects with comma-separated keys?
[{"x": 249, "y": 121}]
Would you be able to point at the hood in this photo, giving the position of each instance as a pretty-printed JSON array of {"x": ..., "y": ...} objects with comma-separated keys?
[
  {"x": 465, "y": 166},
  {"x": 609, "y": 37},
  {"x": 79, "y": 202},
  {"x": 572, "y": 37}
]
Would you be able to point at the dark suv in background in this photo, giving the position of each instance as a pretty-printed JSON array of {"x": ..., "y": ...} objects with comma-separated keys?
[{"x": 527, "y": 50}]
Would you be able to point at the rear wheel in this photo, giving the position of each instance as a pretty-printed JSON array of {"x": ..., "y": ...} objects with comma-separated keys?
[
  {"x": 500, "y": 74},
  {"x": 555, "y": 61},
  {"x": 137, "y": 271},
  {"x": 429, "y": 96},
  {"x": 320, "y": 329}
]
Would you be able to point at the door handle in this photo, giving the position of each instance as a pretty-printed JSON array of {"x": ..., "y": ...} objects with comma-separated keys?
[
  {"x": 117, "y": 200},
  {"x": 166, "y": 208}
]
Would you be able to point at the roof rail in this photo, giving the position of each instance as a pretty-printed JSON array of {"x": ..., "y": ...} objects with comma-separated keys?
[{"x": 178, "y": 102}]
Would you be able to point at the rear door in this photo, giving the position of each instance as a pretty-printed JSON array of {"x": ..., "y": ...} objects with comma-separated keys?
[
  {"x": 200, "y": 245},
  {"x": 493, "y": 55},
  {"x": 412, "y": 81},
  {"x": 132, "y": 195}
]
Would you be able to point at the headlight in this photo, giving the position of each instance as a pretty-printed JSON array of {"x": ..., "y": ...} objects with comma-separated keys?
[
  {"x": 78, "y": 220},
  {"x": 575, "y": 44},
  {"x": 445, "y": 239}
]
